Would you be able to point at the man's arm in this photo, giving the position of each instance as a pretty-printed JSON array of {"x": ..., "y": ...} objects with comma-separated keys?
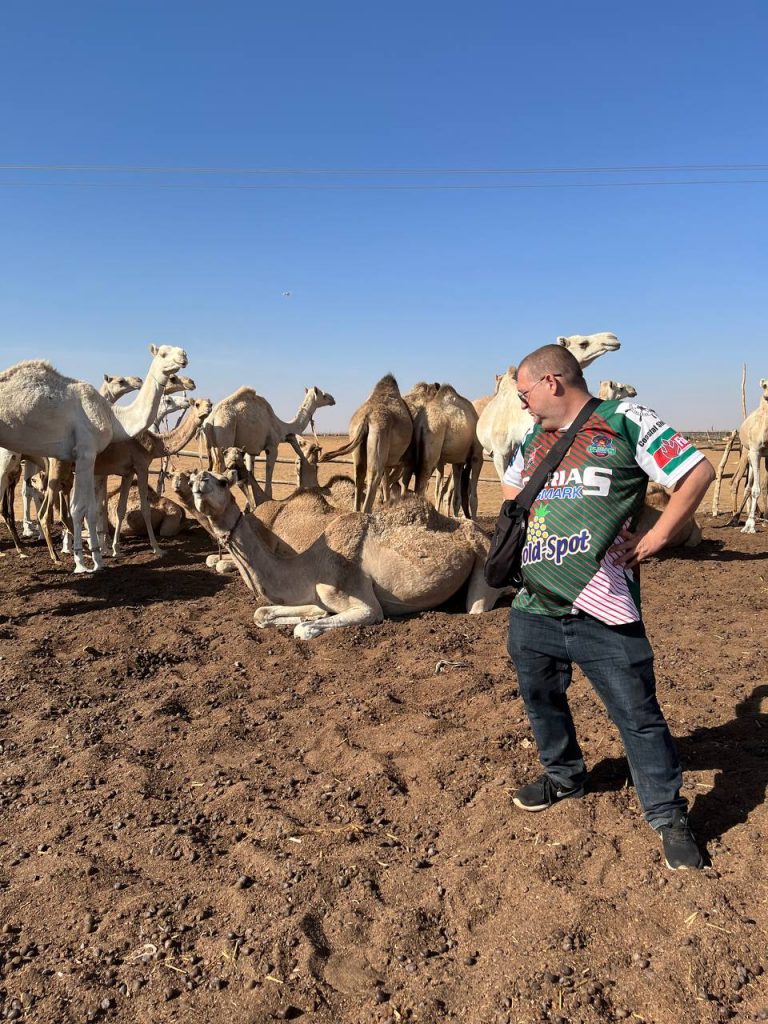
[
  {"x": 684, "y": 501},
  {"x": 508, "y": 491}
]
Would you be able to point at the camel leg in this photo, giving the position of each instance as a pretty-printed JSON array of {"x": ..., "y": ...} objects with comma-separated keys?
[
  {"x": 358, "y": 610},
  {"x": 359, "y": 459},
  {"x": 45, "y": 518},
  {"x": 286, "y": 615},
  {"x": 269, "y": 467},
  {"x": 6, "y": 514},
  {"x": 481, "y": 597},
  {"x": 122, "y": 506},
  {"x": 142, "y": 484},
  {"x": 84, "y": 508},
  {"x": 476, "y": 468},
  {"x": 458, "y": 497},
  {"x": 754, "y": 479},
  {"x": 29, "y": 496},
  {"x": 738, "y": 475}
]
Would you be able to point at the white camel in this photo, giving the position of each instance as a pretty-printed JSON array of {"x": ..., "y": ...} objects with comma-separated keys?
[
  {"x": 610, "y": 390},
  {"x": 47, "y": 414},
  {"x": 247, "y": 420},
  {"x": 753, "y": 434},
  {"x": 503, "y": 422}
]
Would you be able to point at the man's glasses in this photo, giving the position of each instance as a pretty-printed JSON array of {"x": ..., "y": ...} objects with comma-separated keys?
[{"x": 523, "y": 395}]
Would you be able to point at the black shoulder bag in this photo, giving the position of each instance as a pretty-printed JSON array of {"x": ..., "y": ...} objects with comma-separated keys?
[{"x": 503, "y": 566}]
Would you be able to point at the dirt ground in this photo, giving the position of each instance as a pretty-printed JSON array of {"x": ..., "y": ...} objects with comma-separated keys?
[{"x": 203, "y": 821}]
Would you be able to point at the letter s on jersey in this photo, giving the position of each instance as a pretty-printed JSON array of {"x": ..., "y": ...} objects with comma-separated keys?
[{"x": 597, "y": 481}]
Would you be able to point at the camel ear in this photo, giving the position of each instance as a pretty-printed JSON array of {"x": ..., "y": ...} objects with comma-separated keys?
[
  {"x": 106, "y": 376},
  {"x": 154, "y": 349},
  {"x": 763, "y": 382},
  {"x": 562, "y": 340}
]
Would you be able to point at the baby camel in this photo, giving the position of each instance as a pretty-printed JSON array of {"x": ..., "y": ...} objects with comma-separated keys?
[{"x": 400, "y": 559}]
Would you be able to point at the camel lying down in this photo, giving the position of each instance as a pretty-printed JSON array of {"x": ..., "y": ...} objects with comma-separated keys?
[{"x": 400, "y": 559}]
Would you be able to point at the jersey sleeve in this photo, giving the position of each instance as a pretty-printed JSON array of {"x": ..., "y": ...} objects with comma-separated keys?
[{"x": 664, "y": 455}]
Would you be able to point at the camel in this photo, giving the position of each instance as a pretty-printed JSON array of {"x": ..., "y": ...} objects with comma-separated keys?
[
  {"x": 380, "y": 432},
  {"x": 753, "y": 434},
  {"x": 503, "y": 422},
  {"x": 168, "y": 518},
  {"x": 403, "y": 558},
  {"x": 47, "y": 414},
  {"x": 133, "y": 458},
  {"x": 113, "y": 387},
  {"x": 612, "y": 389},
  {"x": 445, "y": 429},
  {"x": 687, "y": 535},
  {"x": 248, "y": 421}
]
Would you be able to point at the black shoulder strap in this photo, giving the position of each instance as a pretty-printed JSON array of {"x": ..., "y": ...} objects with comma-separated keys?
[{"x": 555, "y": 455}]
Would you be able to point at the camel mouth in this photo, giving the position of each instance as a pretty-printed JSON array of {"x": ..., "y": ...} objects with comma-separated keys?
[{"x": 612, "y": 344}]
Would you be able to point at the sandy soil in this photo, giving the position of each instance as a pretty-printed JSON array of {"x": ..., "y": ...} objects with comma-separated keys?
[{"x": 204, "y": 821}]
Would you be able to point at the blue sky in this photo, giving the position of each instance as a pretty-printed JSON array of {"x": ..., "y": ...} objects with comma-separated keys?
[{"x": 442, "y": 284}]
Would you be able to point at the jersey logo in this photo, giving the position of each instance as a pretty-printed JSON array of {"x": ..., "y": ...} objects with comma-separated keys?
[
  {"x": 551, "y": 548},
  {"x": 601, "y": 446},
  {"x": 669, "y": 449}
]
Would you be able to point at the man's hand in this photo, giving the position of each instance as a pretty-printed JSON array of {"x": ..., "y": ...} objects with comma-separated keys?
[{"x": 636, "y": 547}]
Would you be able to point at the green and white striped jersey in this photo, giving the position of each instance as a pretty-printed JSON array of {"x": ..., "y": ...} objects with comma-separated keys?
[{"x": 597, "y": 490}]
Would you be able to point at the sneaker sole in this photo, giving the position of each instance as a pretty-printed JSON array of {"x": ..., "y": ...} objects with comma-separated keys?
[{"x": 684, "y": 867}]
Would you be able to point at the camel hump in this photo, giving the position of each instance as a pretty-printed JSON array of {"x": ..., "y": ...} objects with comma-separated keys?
[
  {"x": 37, "y": 368},
  {"x": 447, "y": 391},
  {"x": 385, "y": 387},
  {"x": 410, "y": 510}
]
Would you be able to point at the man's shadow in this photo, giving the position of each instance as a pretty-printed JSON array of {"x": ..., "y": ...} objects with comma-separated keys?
[{"x": 738, "y": 753}]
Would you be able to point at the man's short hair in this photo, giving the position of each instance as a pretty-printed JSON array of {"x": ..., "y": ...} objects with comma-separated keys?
[{"x": 553, "y": 359}]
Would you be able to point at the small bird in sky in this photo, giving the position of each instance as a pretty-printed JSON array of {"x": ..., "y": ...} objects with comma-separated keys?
[{"x": 286, "y": 295}]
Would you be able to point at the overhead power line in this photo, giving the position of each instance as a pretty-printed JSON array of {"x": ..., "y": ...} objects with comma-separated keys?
[
  {"x": 372, "y": 188},
  {"x": 617, "y": 169}
]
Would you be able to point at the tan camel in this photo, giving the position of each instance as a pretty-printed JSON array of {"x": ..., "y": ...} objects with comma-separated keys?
[
  {"x": 687, "y": 535},
  {"x": 46, "y": 414},
  {"x": 415, "y": 399},
  {"x": 380, "y": 432},
  {"x": 168, "y": 518},
  {"x": 753, "y": 435},
  {"x": 445, "y": 430},
  {"x": 503, "y": 422},
  {"x": 132, "y": 458},
  {"x": 247, "y": 420},
  {"x": 612, "y": 389},
  {"x": 401, "y": 559}
]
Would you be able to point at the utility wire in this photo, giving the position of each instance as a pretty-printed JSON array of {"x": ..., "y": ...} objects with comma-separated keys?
[
  {"x": 619, "y": 169},
  {"x": 379, "y": 187}
]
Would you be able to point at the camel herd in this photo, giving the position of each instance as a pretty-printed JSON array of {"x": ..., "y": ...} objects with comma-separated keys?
[{"x": 344, "y": 553}]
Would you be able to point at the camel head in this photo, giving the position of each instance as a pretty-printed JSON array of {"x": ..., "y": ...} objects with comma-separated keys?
[
  {"x": 588, "y": 347},
  {"x": 210, "y": 493},
  {"x": 319, "y": 398},
  {"x": 610, "y": 389},
  {"x": 167, "y": 360},
  {"x": 235, "y": 469},
  {"x": 117, "y": 385},
  {"x": 201, "y": 408},
  {"x": 176, "y": 383},
  {"x": 180, "y": 485},
  {"x": 312, "y": 450}
]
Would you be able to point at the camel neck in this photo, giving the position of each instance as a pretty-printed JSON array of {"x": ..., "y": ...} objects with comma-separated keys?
[
  {"x": 173, "y": 441},
  {"x": 142, "y": 411},
  {"x": 303, "y": 416}
]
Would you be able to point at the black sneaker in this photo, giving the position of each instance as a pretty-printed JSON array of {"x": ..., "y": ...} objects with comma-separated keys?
[
  {"x": 681, "y": 852},
  {"x": 541, "y": 794}
]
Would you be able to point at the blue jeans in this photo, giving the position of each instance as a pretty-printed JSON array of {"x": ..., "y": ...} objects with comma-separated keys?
[{"x": 618, "y": 661}]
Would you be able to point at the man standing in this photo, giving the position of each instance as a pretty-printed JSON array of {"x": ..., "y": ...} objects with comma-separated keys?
[{"x": 580, "y": 602}]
